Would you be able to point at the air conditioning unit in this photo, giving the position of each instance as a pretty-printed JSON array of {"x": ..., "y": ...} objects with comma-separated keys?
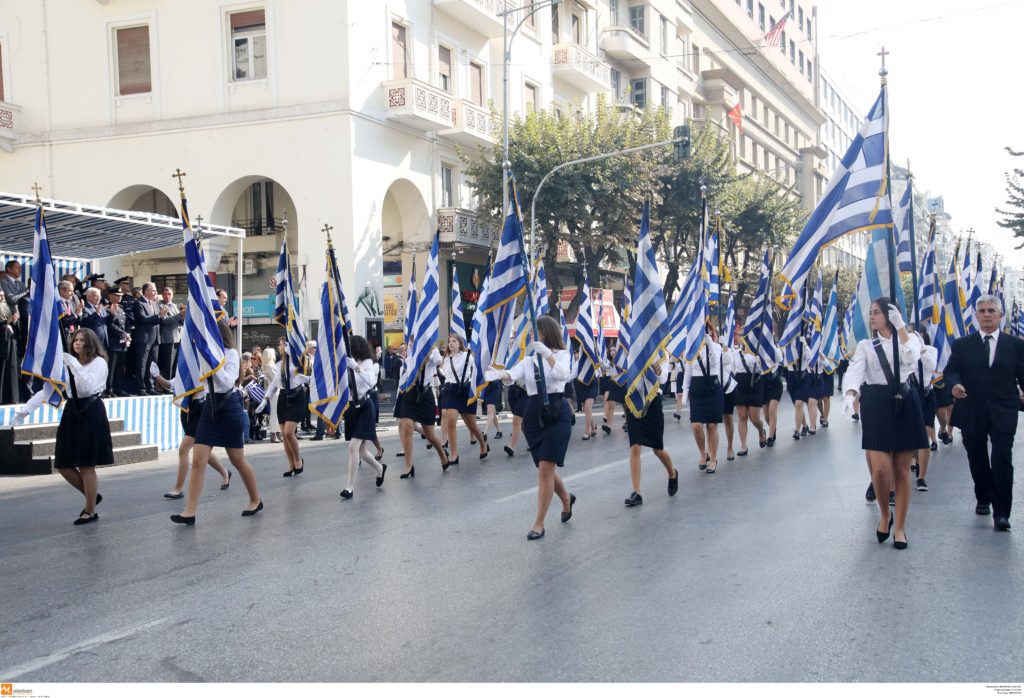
[{"x": 248, "y": 267}]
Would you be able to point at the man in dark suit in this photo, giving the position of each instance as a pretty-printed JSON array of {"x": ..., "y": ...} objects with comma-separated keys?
[
  {"x": 94, "y": 316},
  {"x": 171, "y": 320},
  {"x": 985, "y": 370},
  {"x": 146, "y": 338},
  {"x": 118, "y": 341}
]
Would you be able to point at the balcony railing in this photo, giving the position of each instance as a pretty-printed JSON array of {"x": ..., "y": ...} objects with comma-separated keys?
[
  {"x": 481, "y": 15},
  {"x": 8, "y": 135},
  {"x": 579, "y": 67},
  {"x": 471, "y": 124},
  {"x": 462, "y": 226},
  {"x": 418, "y": 104}
]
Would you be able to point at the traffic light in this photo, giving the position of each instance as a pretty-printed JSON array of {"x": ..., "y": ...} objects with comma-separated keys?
[{"x": 682, "y": 146}]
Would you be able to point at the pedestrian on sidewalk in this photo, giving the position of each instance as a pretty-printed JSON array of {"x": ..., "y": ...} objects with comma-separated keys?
[
  {"x": 361, "y": 416},
  {"x": 649, "y": 430},
  {"x": 986, "y": 370},
  {"x": 221, "y": 426},
  {"x": 891, "y": 416},
  {"x": 83, "y": 435}
]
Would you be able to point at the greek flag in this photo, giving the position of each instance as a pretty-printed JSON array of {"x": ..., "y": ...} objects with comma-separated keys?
[
  {"x": 713, "y": 260},
  {"x": 620, "y": 359},
  {"x": 589, "y": 360},
  {"x": 1018, "y": 320},
  {"x": 967, "y": 291},
  {"x": 286, "y": 313},
  {"x": 874, "y": 282},
  {"x": 758, "y": 334},
  {"x": 954, "y": 302},
  {"x": 793, "y": 330},
  {"x": 43, "y": 356},
  {"x": 929, "y": 302},
  {"x": 972, "y": 300},
  {"x": 521, "y": 326},
  {"x": 329, "y": 391},
  {"x": 856, "y": 199},
  {"x": 831, "y": 353},
  {"x": 540, "y": 290},
  {"x": 508, "y": 276},
  {"x": 411, "y": 302},
  {"x": 424, "y": 334},
  {"x": 201, "y": 353},
  {"x": 943, "y": 342},
  {"x": 480, "y": 345},
  {"x": 458, "y": 323},
  {"x": 846, "y": 339},
  {"x": 648, "y": 325},
  {"x": 688, "y": 325},
  {"x": 601, "y": 345},
  {"x": 729, "y": 330},
  {"x": 905, "y": 228},
  {"x": 813, "y": 318}
]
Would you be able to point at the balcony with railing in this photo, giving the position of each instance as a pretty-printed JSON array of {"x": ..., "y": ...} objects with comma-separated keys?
[
  {"x": 580, "y": 68},
  {"x": 8, "y": 136},
  {"x": 418, "y": 104},
  {"x": 481, "y": 15},
  {"x": 625, "y": 43},
  {"x": 463, "y": 227},
  {"x": 471, "y": 124}
]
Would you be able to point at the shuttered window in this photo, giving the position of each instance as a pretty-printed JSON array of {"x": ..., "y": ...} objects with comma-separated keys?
[
  {"x": 133, "y": 68},
  {"x": 476, "y": 84},
  {"x": 399, "y": 52},
  {"x": 444, "y": 68}
]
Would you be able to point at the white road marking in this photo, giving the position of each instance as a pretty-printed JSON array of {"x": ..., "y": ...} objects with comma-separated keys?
[{"x": 570, "y": 478}]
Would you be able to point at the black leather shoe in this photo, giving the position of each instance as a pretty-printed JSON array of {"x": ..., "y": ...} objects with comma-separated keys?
[
  {"x": 302, "y": 466},
  {"x": 982, "y": 509},
  {"x": 566, "y": 515},
  {"x": 741, "y": 453},
  {"x": 498, "y": 434},
  {"x": 89, "y": 518},
  {"x": 449, "y": 464},
  {"x": 634, "y": 500},
  {"x": 884, "y": 535},
  {"x": 606, "y": 429},
  {"x": 172, "y": 495},
  {"x": 508, "y": 451},
  {"x": 411, "y": 473},
  {"x": 383, "y": 472},
  {"x": 796, "y": 436},
  {"x": 187, "y": 520},
  {"x": 870, "y": 494},
  {"x": 225, "y": 485},
  {"x": 346, "y": 494},
  {"x": 1002, "y": 523},
  {"x": 287, "y": 474},
  {"x": 933, "y": 446},
  {"x": 485, "y": 453},
  {"x": 673, "y": 485},
  {"x": 899, "y": 544},
  {"x": 533, "y": 535},
  {"x": 253, "y": 512}
]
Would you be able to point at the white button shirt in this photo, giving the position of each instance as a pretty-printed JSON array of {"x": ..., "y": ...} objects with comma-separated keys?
[
  {"x": 713, "y": 361},
  {"x": 993, "y": 343},
  {"x": 366, "y": 373},
  {"x": 555, "y": 377},
  {"x": 865, "y": 368},
  {"x": 453, "y": 365}
]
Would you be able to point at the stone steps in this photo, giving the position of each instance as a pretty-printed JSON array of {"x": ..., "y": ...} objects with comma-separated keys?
[{"x": 28, "y": 449}]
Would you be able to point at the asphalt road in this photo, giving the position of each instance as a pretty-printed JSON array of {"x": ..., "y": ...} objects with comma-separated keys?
[{"x": 766, "y": 571}]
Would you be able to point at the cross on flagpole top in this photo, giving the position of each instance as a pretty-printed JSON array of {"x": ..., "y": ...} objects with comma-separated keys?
[
  {"x": 36, "y": 188},
  {"x": 882, "y": 71},
  {"x": 179, "y": 175}
]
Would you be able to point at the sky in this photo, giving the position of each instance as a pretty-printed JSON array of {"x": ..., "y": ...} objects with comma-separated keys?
[{"x": 955, "y": 95}]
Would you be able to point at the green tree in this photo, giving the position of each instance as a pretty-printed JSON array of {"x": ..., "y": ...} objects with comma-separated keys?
[{"x": 1014, "y": 214}]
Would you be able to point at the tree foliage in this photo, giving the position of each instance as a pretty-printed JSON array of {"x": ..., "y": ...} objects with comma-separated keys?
[{"x": 1014, "y": 213}]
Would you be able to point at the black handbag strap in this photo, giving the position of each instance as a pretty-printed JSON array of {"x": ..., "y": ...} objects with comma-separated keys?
[{"x": 884, "y": 361}]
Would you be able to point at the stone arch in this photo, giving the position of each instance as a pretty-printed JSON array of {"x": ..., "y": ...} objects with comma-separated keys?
[{"x": 144, "y": 198}]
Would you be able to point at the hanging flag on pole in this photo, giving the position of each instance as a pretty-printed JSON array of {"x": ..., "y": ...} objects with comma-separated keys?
[
  {"x": 286, "y": 314},
  {"x": 904, "y": 224},
  {"x": 774, "y": 35},
  {"x": 329, "y": 391},
  {"x": 813, "y": 325},
  {"x": 585, "y": 337},
  {"x": 458, "y": 322},
  {"x": 411, "y": 302},
  {"x": 967, "y": 290},
  {"x": 954, "y": 302},
  {"x": 874, "y": 282},
  {"x": 688, "y": 325},
  {"x": 758, "y": 335},
  {"x": 831, "y": 352},
  {"x": 856, "y": 199},
  {"x": 929, "y": 298},
  {"x": 736, "y": 116},
  {"x": 729, "y": 331},
  {"x": 43, "y": 355},
  {"x": 648, "y": 325},
  {"x": 425, "y": 331},
  {"x": 620, "y": 359}
]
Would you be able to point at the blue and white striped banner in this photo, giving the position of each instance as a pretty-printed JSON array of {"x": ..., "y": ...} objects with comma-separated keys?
[
  {"x": 458, "y": 323},
  {"x": 43, "y": 353},
  {"x": 875, "y": 281},
  {"x": 758, "y": 336},
  {"x": 425, "y": 332},
  {"x": 904, "y": 227},
  {"x": 813, "y": 323},
  {"x": 831, "y": 353},
  {"x": 287, "y": 314},
  {"x": 585, "y": 337}
]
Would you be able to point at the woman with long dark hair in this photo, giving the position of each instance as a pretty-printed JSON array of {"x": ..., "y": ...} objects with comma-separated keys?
[
  {"x": 547, "y": 428},
  {"x": 292, "y": 406},
  {"x": 417, "y": 405},
  {"x": 649, "y": 430},
  {"x": 703, "y": 387},
  {"x": 83, "y": 435},
  {"x": 221, "y": 425},
  {"x": 361, "y": 415},
  {"x": 891, "y": 416},
  {"x": 458, "y": 372},
  {"x": 750, "y": 386}
]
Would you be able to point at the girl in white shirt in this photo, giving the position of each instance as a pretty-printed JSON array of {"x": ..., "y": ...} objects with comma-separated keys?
[
  {"x": 289, "y": 389},
  {"x": 891, "y": 418},
  {"x": 548, "y": 439},
  {"x": 649, "y": 430},
  {"x": 703, "y": 389},
  {"x": 417, "y": 405},
  {"x": 459, "y": 373},
  {"x": 361, "y": 415}
]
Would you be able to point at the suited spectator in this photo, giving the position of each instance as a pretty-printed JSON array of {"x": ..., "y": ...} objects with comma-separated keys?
[
  {"x": 222, "y": 298},
  {"x": 119, "y": 340},
  {"x": 146, "y": 338},
  {"x": 94, "y": 316},
  {"x": 171, "y": 320},
  {"x": 9, "y": 367},
  {"x": 17, "y": 297},
  {"x": 70, "y": 306}
]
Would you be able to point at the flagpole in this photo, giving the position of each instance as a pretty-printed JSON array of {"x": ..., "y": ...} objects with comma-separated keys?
[
  {"x": 913, "y": 250},
  {"x": 541, "y": 380}
]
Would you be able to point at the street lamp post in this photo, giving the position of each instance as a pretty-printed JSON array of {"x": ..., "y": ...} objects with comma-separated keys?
[{"x": 506, "y": 58}]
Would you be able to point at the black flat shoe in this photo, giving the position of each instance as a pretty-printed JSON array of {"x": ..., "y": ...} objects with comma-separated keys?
[
  {"x": 484, "y": 454},
  {"x": 253, "y": 512},
  {"x": 346, "y": 494},
  {"x": 383, "y": 472},
  {"x": 187, "y": 520},
  {"x": 711, "y": 470},
  {"x": 899, "y": 544},
  {"x": 533, "y": 535},
  {"x": 298, "y": 471},
  {"x": 884, "y": 535},
  {"x": 566, "y": 515},
  {"x": 634, "y": 500},
  {"x": 84, "y": 518},
  {"x": 606, "y": 429},
  {"x": 172, "y": 495},
  {"x": 411, "y": 473},
  {"x": 673, "y": 485},
  {"x": 796, "y": 436},
  {"x": 445, "y": 466},
  {"x": 933, "y": 446},
  {"x": 812, "y": 432},
  {"x": 703, "y": 464},
  {"x": 678, "y": 416},
  {"x": 508, "y": 451},
  {"x": 498, "y": 434},
  {"x": 762, "y": 438},
  {"x": 225, "y": 485},
  {"x": 287, "y": 474},
  {"x": 804, "y": 430},
  {"x": 770, "y": 442},
  {"x": 400, "y": 454},
  {"x": 730, "y": 457},
  {"x": 380, "y": 454},
  {"x": 741, "y": 453}
]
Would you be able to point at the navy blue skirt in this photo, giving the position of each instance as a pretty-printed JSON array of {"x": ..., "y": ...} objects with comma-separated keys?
[
  {"x": 83, "y": 436},
  {"x": 450, "y": 400},
  {"x": 492, "y": 395},
  {"x": 943, "y": 395},
  {"x": 586, "y": 392},
  {"x": 928, "y": 402},
  {"x": 517, "y": 400},
  {"x": 828, "y": 384},
  {"x": 729, "y": 403},
  {"x": 361, "y": 423},
  {"x": 773, "y": 388},
  {"x": 679, "y": 381},
  {"x": 882, "y": 429},
  {"x": 809, "y": 387},
  {"x": 190, "y": 419},
  {"x": 225, "y": 428},
  {"x": 648, "y": 430},
  {"x": 297, "y": 410},
  {"x": 616, "y": 393},
  {"x": 749, "y": 390},
  {"x": 707, "y": 401},
  {"x": 422, "y": 412},
  {"x": 551, "y": 442}
]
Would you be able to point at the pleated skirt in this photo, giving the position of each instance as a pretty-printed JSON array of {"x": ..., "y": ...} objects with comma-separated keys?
[
  {"x": 451, "y": 401},
  {"x": 648, "y": 430},
  {"x": 828, "y": 385},
  {"x": 882, "y": 429},
  {"x": 943, "y": 395},
  {"x": 928, "y": 406},
  {"x": 83, "y": 438},
  {"x": 550, "y": 442},
  {"x": 492, "y": 395},
  {"x": 361, "y": 424},
  {"x": 190, "y": 419},
  {"x": 585, "y": 392},
  {"x": 616, "y": 393},
  {"x": 225, "y": 428},
  {"x": 291, "y": 413},
  {"x": 773, "y": 389},
  {"x": 517, "y": 399},
  {"x": 707, "y": 401},
  {"x": 423, "y": 412}
]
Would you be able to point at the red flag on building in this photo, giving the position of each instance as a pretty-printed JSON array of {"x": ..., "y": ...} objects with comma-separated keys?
[{"x": 736, "y": 116}]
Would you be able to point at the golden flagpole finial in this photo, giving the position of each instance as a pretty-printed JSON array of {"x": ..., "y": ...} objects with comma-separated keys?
[
  {"x": 36, "y": 188},
  {"x": 178, "y": 174},
  {"x": 327, "y": 229}
]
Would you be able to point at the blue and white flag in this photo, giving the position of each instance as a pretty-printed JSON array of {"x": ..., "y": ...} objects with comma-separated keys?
[
  {"x": 411, "y": 303},
  {"x": 648, "y": 325},
  {"x": 600, "y": 343},
  {"x": 329, "y": 391},
  {"x": 729, "y": 329},
  {"x": 943, "y": 342},
  {"x": 929, "y": 297},
  {"x": 481, "y": 343},
  {"x": 458, "y": 323},
  {"x": 43, "y": 355},
  {"x": 831, "y": 352},
  {"x": 847, "y": 341},
  {"x": 954, "y": 302},
  {"x": 712, "y": 258},
  {"x": 589, "y": 360},
  {"x": 905, "y": 228},
  {"x": 972, "y": 300},
  {"x": 813, "y": 325},
  {"x": 688, "y": 326},
  {"x": 540, "y": 290},
  {"x": 1018, "y": 321},
  {"x": 758, "y": 335},
  {"x": 201, "y": 353},
  {"x": 856, "y": 199},
  {"x": 620, "y": 358},
  {"x": 425, "y": 331},
  {"x": 874, "y": 282},
  {"x": 286, "y": 314},
  {"x": 967, "y": 291}
]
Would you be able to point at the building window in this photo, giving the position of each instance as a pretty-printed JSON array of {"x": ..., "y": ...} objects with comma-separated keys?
[
  {"x": 810, "y": 34},
  {"x": 613, "y": 12},
  {"x": 801, "y": 62},
  {"x": 743, "y": 147},
  {"x": 750, "y": 8},
  {"x": 664, "y": 96},
  {"x": 760, "y": 15},
  {"x": 133, "y": 69},
  {"x": 577, "y": 29},
  {"x": 782, "y": 44},
  {"x": 447, "y": 188},
  {"x": 554, "y": 24},
  {"x": 530, "y": 97},
  {"x": 476, "y": 84},
  {"x": 399, "y": 52},
  {"x": 792, "y": 52},
  {"x": 664, "y": 35},
  {"x": 531, "y": 19},
  {"x": 810, "y": 71},
  {"x": 776, "y": 124},
  {"x": 176, "y": 282},
  {"x": 616, "y": 85},
  {"x": 696, "y": 59},
  {"x": 249, "y": 44},
  {"x": 2, "y": 99},
  {"x": 636, "y": 20},
  {"x": 444, "y": 68},
  {"x": 640, "y": 93},
  {"x": 753, "y": 154},
  {"x": 800, "y": 14}
]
